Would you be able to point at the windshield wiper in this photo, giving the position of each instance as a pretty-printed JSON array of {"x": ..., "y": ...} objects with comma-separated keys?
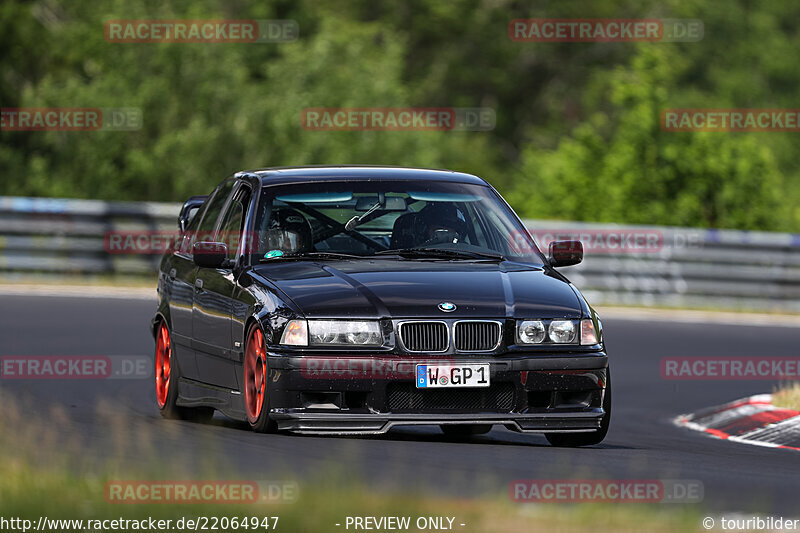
[
  {"x": 441, "y": 253},
  {"x": 311, "y": 255}
]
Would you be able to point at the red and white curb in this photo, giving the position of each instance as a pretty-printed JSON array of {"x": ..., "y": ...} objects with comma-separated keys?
[{"x": 752, "y": 420}]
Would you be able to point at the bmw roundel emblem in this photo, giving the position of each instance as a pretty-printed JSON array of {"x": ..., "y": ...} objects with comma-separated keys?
[{"x": 447, "y": 307}]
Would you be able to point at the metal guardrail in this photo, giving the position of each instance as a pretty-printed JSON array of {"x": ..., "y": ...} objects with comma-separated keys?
[
  {"x": 56, "y": 236},
  {"x": 688, "y": 268}
]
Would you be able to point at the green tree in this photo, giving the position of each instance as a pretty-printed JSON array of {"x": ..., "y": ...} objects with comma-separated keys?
[{"x": 621, "y": 166}]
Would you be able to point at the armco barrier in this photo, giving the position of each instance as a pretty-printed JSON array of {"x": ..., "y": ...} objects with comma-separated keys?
[
  {"x": 694, "y": 268},
  {"x": 50, "y": 235},
  {"x": 691, "y": 267}
]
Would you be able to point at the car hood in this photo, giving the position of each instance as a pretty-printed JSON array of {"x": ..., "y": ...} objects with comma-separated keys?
[{"x": 405, "y": 289}]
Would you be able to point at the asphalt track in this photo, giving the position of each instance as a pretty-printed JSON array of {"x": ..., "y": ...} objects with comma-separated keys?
[{"x": 642, "y": 442}]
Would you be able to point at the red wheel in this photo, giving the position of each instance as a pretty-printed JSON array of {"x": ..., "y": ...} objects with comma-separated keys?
[
  {"x": 255, "y": 375},
  {"x": 168, "y": 377},
  {"x": 163, "y": 366}
]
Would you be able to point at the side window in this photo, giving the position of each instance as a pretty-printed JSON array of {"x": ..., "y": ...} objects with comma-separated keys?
[
  {"x": 212, "y": 212},
  {"x": 233, "y": 221},
  {"x": 186, "y": 240}
]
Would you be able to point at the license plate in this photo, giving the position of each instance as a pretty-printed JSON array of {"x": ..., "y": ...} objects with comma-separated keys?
[{"x": 438, "y": 376}]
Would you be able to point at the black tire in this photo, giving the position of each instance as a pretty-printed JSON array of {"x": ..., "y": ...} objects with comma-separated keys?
[
  {"x": 574, "y": 440},
  {"x": 465, "y": 430},
  {"x": 171, "y": 410},
  {"x": 262, "y": 423}
]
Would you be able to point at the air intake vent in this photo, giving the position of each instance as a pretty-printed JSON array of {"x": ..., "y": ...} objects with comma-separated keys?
[
  {"x": 499, "y": 398},
  {"x": 477, "y": 336},
  {"x": 424, "y": 336}
]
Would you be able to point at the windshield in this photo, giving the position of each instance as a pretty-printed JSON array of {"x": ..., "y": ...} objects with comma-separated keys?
[{"x": 364, "y": 218}]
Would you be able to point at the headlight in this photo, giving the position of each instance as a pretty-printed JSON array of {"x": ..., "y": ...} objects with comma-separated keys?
[
  {"x": 344, "y": 332},
  {"x": 531, "y": 332},
  {"x": 588, "y": 333},
  {"x": 556, "y": 331},
  {"x": 295, "y": 333},
  {"x": 562, "y": 331}
]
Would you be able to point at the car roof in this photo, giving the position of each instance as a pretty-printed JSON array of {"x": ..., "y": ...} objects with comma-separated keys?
[{"x": 281, "y": 175}]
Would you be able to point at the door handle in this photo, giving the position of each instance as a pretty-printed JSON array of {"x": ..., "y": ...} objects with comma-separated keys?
[{"x": 198, "y": 285}]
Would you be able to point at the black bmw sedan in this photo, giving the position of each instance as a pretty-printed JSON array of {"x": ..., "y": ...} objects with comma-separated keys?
[{"x": 350, "y": 300}]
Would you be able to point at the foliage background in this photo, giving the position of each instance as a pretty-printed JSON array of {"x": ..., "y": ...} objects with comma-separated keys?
[{"x": 577, "y": 134}]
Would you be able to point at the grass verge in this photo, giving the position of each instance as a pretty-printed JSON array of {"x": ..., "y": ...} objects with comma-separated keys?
[
  {"x": 787, "y": 396},
  {"x": 29, "y": 492},
  {"x": 50, "y": 468}
]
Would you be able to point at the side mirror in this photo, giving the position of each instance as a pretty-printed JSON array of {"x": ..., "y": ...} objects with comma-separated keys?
[
  {"x": 188, "y": 210},
  {"x": 565, "y": 253},
  {"x": 210, "y": 254}
]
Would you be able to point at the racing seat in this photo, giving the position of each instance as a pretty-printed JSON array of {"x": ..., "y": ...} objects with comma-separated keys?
[{"x": 403, "y": 231}]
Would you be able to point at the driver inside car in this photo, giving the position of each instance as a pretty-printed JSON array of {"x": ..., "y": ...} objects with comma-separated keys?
[
  {"x": 441, "y": 224},
  {"x": 287, "y": 231}
]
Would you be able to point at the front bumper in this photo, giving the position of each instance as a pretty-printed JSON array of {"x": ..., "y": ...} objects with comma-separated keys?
[{"x": 345, "y": 394}]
